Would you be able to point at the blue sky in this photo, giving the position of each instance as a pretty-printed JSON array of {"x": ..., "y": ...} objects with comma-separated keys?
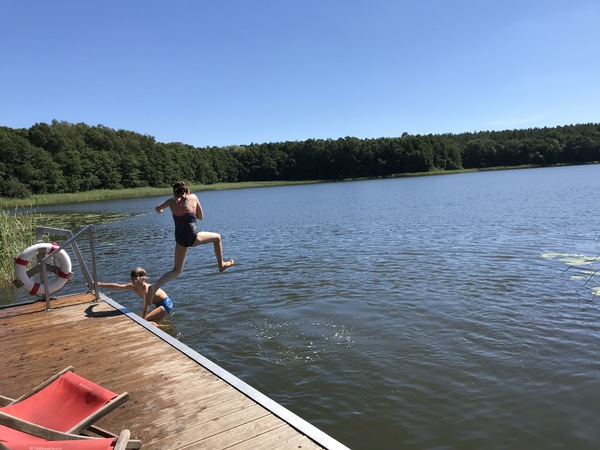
[{"x": 227, "y": 72}]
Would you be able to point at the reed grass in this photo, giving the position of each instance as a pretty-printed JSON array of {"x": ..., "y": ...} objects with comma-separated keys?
[{"x": 17, "y": 232}]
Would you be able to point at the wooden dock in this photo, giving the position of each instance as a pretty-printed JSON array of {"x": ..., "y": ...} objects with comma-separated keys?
[{"x": 178, "y": 398}]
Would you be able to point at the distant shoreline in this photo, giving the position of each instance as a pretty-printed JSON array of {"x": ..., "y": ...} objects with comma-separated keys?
[{"x": 143, "y": 192}]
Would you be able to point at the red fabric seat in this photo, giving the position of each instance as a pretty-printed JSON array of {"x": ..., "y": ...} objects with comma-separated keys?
[
  {"x": 28, "y": 443},
  {"x": 53, "y": 415},
  {"x": 62, "y": 404}
]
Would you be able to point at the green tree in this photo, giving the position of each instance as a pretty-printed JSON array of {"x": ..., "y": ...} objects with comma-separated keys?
[
  {"x": 479, "y": 153},
  {"x": 32, "y": 167}
]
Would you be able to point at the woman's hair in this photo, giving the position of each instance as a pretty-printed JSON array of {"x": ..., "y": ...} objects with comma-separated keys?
[
  {"x": 180, "y": 189},
  {"x": 138, "y": 272}
]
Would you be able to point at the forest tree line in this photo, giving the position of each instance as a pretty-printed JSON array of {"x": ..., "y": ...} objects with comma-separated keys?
[{"x": 62, "y": 157}]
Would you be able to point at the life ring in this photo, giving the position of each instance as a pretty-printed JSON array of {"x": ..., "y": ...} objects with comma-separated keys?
[{"x": 63, "y": 269}]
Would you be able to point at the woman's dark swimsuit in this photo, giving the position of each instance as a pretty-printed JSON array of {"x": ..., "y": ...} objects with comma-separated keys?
[{"x": 185, "y": 229}]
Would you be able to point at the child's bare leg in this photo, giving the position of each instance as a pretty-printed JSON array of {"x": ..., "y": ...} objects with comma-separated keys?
[
  {"x": 156, "y": 315},
  {"x": 205, "y": 237},
  {"x": 179, "y": 259},
  {"x": 219, "y": 255}
]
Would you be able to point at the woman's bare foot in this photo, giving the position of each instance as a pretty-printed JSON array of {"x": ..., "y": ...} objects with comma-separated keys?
[{"x": 225, "y": 264}]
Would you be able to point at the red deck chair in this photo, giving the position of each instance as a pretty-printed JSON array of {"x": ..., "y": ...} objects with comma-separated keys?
[
  {"x": 28, "y": 442},
  {"x": 64, "y": 403}
]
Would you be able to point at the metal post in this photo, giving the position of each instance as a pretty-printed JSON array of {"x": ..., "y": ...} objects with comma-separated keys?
[
  {"x": 72, "y": 242},
  {"x": 93, "y": 256},
  {"x": 46, "y": 285}
]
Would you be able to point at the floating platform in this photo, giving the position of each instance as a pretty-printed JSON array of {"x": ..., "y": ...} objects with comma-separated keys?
[{"x": 178, "y": 398}]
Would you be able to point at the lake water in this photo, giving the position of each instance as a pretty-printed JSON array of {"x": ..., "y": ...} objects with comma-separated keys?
[{"x": 423, "y": 313}]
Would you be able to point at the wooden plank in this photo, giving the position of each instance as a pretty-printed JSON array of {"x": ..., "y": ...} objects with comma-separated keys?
[
  {"x": 192, "y": 433},
  {"x": 241, "y": 435},
  {"x": 174, "y": 403},
  {"x": 40, "y": 305}
]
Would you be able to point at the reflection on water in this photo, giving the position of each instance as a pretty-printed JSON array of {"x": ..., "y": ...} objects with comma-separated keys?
[{"x": 437, "y": 312}]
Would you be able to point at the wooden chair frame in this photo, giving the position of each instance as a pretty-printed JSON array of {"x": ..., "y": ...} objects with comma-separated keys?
[{"x": 86, "y": 425}]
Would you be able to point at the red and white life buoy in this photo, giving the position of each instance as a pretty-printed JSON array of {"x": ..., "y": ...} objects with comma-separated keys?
[{"x": 63, "y": 272}]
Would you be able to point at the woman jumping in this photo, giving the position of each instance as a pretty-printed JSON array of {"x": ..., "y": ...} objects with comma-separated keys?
[{"x": 185, "y": 208}]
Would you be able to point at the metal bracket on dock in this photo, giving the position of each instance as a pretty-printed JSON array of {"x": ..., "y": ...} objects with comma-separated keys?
[{"x": 91, "y": 279}]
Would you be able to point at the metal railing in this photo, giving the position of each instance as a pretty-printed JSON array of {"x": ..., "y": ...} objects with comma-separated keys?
[{"x": 90, "y": 278}]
